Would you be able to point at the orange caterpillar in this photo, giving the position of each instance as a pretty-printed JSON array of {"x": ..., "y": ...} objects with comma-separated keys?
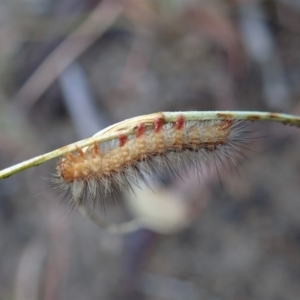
[{"x": 96, "y": 173}]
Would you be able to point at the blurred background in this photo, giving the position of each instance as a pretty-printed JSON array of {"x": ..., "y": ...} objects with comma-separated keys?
[{"x": 69, "y": 68}]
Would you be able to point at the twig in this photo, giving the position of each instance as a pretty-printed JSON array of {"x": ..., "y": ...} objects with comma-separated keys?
[{"x": 128, "y": 127}]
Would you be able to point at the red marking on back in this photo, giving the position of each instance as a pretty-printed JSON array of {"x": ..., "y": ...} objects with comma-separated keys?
[
  {"x": 140, "y": 130},
  {"x": 95, "y": 150},
  {"x": 157, "y": 125},
  {"x": 227, "y": 124},
  {"x": 122, "y": 140},
  {"x": 70, "y": 157},
  {"x": 179, "y": 123},
  {"x": 80, "y": 152}
]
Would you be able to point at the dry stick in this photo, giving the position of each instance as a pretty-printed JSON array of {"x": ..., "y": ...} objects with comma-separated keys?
[
  {"x": 102, "y": 17},
  {"x": 128, "y": 127}
]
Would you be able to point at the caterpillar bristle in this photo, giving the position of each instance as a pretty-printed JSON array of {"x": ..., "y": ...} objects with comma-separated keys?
[{"x": 101, "y": 172}]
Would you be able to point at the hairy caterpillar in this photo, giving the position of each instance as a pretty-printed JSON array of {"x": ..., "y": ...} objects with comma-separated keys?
[{"x": 96, "y": 172}]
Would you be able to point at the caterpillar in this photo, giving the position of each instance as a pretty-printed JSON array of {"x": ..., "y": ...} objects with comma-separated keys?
[{"x": 96, "y": 173}]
